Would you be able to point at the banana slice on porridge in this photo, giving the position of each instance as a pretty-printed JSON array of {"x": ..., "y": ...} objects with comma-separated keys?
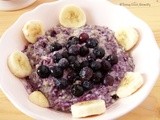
[
  {"x": 131, "y": 82},
  {"x": 88, "y": 108},
  {"x": 19, "y": 64},
  {"x": 127, "y": 37},
  {"x": 72, "y": 16},
  {"x": 32, "y": 29},
  {"x": 39, "y": 99}
]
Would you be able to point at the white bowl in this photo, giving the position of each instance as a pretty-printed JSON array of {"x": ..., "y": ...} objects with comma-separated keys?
[{"x": 101, "y": 12}]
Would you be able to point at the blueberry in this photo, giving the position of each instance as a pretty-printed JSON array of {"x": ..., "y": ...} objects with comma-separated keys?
[
  {"x": 91, "y": 43},
  {"x": 115, "y": 97},
  {"x": 97, "y": 77},
  {"x": 63, "y": 63},
  {"x": 77, "y": 90},
  {"x": 95, "y": 65},
  {"x": 65, "y": 54},
  {"x": 73, "y": 40},
  {"x": 57, "y": 57},
  {"x": 106, "y": 66},
  {"x": 43, "y": 71},
  {"x": 73, "y": 50},
  {"x": 91, "y": 57},
  {"x": 83, "y": 51},
  {"x": 83, "y": 37},
  {"x": 99, "y": 52},
  {"x": 87, "y": 85},
  {"x": 71, "y": 76},
  {"x": 56, "y": 71},
  {"x": 61, "y": 83},
  {"x": 86, "y": 73},
  {"x": 75, "y": 65},
  {"x": 84, "y": 64},
  {"x": 108, "y": 80},
  {"x": 53, "y": 33},
  {"x": 55, "y": 47},
  {"x": 113, "y": 59},
  {"x": 72, "y": 59}
]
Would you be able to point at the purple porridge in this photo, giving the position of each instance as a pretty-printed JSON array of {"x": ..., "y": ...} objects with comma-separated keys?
[{"x": 60, "y": 87}]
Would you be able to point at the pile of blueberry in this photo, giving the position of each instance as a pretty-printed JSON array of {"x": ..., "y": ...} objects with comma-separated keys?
[{"x": 82, "y": 75}]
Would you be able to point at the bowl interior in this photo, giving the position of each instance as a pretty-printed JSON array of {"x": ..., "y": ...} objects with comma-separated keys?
[{"x": 101, "y": 13}]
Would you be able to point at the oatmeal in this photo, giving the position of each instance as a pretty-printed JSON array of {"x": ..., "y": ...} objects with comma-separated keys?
[{"x": 77, "y": 68}]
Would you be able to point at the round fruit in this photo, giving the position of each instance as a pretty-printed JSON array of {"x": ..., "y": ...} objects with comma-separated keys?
[
  {"x": 91, "y": 43},
  {"x": 73, "y": 50},
  {"x": 72, "y": 59},
  {"x": 99, "y": 52},
  {"x": 106, "y": 66},
  {"x": 84, "y": 64},
  {"x": 108, "y": 80},
  {"x": 83, "y": 51},
  {"x": 113, "y": 59},
  {"x": 71, "y": 76},
  {"x": 87, "y": 85},
  {"x": 63, "y": 63},
  {"x": 61, "y": 83},
  {"x": 83, "y": 37},
  {"x": 73, "y": 40},
  {"x": 56, "y": 71},
  {"x": 77, "y": 90},
  {"x": 97, "y": 77},
  {"x": 57, "y": 57},
  {"x": 65, "y": 54},
  {"x": 95, "y": 65},
  {"x": 86, "y": 73},
  {"x": 115, "y": 97},
  {"x": 91, "y": 57},
  {"x": 75, "y": 65},
  {"x": 43, "y": 71},
  {"x": 55, "y": 47}
]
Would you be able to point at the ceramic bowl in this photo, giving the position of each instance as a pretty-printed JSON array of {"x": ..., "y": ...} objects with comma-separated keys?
[{"x": 100, "y": 12}]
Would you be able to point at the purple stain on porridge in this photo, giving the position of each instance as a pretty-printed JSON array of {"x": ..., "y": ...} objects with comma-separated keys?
[{"x": 86, "y": 89}]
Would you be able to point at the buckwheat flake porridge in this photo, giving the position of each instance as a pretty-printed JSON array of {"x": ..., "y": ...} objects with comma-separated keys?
[{"x": 77, "y": 69}]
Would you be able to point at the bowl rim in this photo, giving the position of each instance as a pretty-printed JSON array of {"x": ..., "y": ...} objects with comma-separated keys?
[{"x": 19, "y": 106}]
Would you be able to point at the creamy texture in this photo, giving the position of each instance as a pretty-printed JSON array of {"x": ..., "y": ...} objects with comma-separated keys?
[{"x": 39, "y": 53}]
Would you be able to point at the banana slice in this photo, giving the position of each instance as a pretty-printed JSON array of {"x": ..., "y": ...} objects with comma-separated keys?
[
  {"x": 19, "y": 64},
  {"x": 127, "y": 37},
  {"x": 32, "y": 29},
  {"x": 88, "y": 108},
  {"x": 39, "y": 99},
  {"x": 131, "y": 82},
  {"x": 72, "y": 16}
]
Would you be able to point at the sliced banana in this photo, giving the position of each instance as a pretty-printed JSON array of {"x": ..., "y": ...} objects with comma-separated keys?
[
  {"x": 88, "y": 108},
  {"x": 39, "y": 99},
  {"x": 72, "y": 16},
  {"x": 131, "y": 82},
  {"x": 32, "y": 29},
  {"x": 127, "y": 37},
  {"x": 19, "y": 64}
]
